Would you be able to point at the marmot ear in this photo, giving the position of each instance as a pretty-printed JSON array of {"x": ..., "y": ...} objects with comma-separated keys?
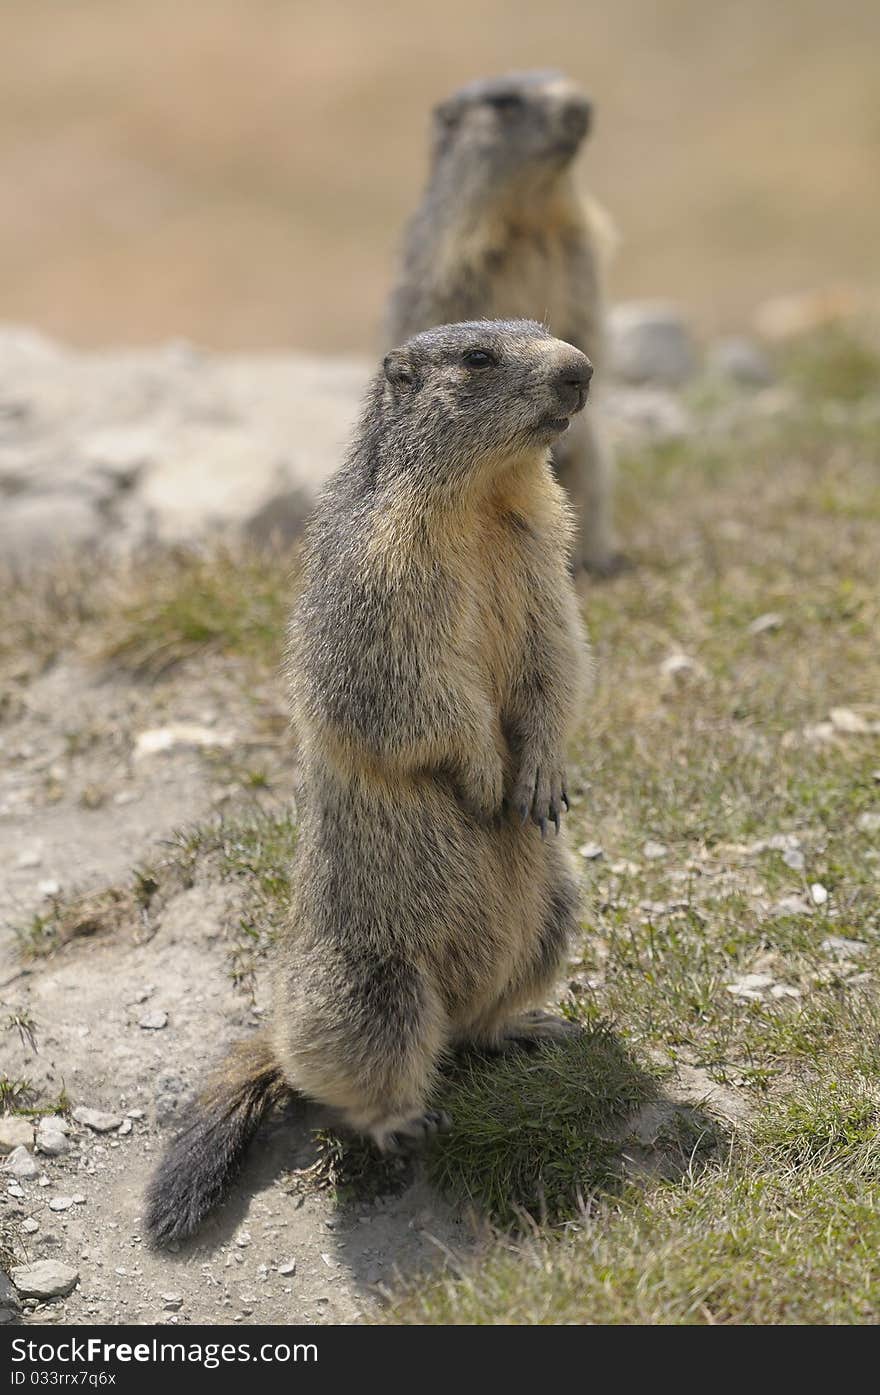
[{"x": 400, "y": 372}]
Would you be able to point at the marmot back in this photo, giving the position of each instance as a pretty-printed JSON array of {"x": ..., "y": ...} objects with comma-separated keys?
[
  {"x": 502, "y": 231},
  {"x": 436, "y": 666}
]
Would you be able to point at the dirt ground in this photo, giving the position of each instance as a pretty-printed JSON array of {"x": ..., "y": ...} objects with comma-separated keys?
[
  {"x": 238, "y": 171},
  {"x": 87, "y": 1003}
]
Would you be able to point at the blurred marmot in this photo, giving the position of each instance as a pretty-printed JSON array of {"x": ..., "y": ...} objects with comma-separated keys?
[
  {"x": 436, "y": 662},
  {"x": 502, "y": 231}
]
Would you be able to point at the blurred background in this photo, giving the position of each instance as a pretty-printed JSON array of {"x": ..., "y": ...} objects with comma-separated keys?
[{"x": 237, "y": 172}]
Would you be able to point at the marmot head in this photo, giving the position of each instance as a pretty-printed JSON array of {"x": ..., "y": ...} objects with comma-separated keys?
[
  {"x": 464, "y": 400},
  {"x": 514, "y": 126}
]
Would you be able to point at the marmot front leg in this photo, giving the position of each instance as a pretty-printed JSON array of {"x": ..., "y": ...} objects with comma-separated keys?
[{"x": 479, "y": 767}]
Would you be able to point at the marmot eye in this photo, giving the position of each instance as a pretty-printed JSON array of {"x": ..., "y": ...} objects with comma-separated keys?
[
  {"x": 506, "y": 102},
  {"x": 478, "y": 358}
]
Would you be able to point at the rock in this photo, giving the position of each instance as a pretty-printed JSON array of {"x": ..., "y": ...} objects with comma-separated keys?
[
  {"x": 650, "y": 343},
  {"x": 742, "y": 361},
  {"x": 125, "y": 1128},
  {"x": 654, "y": 851},
  {"x": 868, "y": 823},
  {"x": 652, "y": 415},
  {"x": 60, "y": 1203},
  {"x": 171, "y": 1302},
  {"x": 21, "y": 1164},
  {"x": 842, "y": 948},
  {"x": 591, "y": 851},
  {"x": 30, "y": 1226},
  {"x": 46, "y": 1278},
  {"x": 153, "y": 1021},
  {"x": 784, "y": 990},
  {"x": 49, "y": 887},
  {"x": 851, "y": 723},
  {"x": 751, "y": 986},
  {"x": 818, "y": 894},
  {"x": 794, "y": 858},
  {"x": 53, "y": 1144},
  {"x": 15, "y": 1132},
  {"x": 287, "y": 1267},
  {"x": 53, "y": 1123},
  {"x": 793, "y": 905},
  {"x": 159, "y": 740},
  {"x": 29, "y": 857},
  {"x": 10, "y": 1303},
  {"x": 679, "y": 668},
  {"x": 97, "y": 1119},
  {"x": 766, "y": 624}
]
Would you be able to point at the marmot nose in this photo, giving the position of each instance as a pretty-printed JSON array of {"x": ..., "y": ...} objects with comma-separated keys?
[{"x": 571, "y": 382}]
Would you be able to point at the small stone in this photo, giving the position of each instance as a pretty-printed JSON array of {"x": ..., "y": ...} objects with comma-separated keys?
[
  {"x": 591, "y": 851},
  {"x": 244, "y": 1239},
  {"x": 868, "y": 823},
  {"x": 78, "y": 1199},
  {"x": 49, "y": 887},
  {"x": 794, "y": 858},
  {"x": 21, "y": 1164},
  {"x": 842, "y": 948},
  {"x": 654, "y": 851},
  {"x": 793, "y": 905},
  {"x": 53, "y": 1144},
  {"x": 818, "y": 893},
  {"x": 15, "y": 1132},
  {"x": 171, "y": 1302},
  {"x": 750, "y": 986},
  {"x": 13, "y": 1189},
  {"x": 29, "y": 857},
  {"x": 679, "y": 668},
  {"x": 766, "y": 623},
  {"x": 30, "y": 1225},
  {"x": 46, "y": 1278},
  {"x": 10, "y": 1303},
  {"x": 97, "y": 1119},
  {"x": 125, "y": 1128},
  {"x": 53, "y": 1123},
  {"x": 159, "y": 740},
  {"x": 741, "y": 360},
  {"x": 134, "y": 1114},
  {"x": 851, "y": 723},
  {"x": 287, "y": 1268},
  {"x": 60, "y": 1203},
  {"x": 784, "y": 990},
  {"x": 650, "y": 343},
  {"x": 153, "y": 1021}
]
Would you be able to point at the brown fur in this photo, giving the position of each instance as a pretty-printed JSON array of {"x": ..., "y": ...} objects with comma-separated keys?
[
  {"x": 436, "y": 665},
  {"x": 502, "y": 231}
]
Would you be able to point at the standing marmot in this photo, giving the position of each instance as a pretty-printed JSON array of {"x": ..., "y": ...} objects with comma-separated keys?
[
  {"x": 436, "y": 659},
  {"x": 503, "y": 232}
]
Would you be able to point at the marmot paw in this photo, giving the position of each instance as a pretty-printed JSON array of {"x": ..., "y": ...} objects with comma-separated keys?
[
  {"x": 415, "y": 1132},
  {"x": 540, "y": 794}
]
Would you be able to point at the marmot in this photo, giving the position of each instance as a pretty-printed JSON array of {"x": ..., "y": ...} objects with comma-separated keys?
[
  {"x": 436, "y": 659},
  {"x": 502, "y": 231}
]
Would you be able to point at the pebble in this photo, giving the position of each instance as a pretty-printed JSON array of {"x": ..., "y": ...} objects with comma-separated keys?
[
  {"x": 158, "y": 740},
  {"x": 30, "y": 857},
  {"x": 171, "y": 1301},
  {"x": 10, "y": 1303},
  {"x": 153, "y": 1021},
  {"x": 843, "y": 948},
  {"x": 49, "y": 887},
  {"x": 46, "y": 1278},
  {"x": 766, "y": 624},
  {"x": 591, "y": 851},
  {"x": 792, "y": 905},
  {"x": 125, "y": 1127},
  {"x": 54, "y": 1144},
  {"x": 742, "y": 360},
  {"x": 15, "y": 1190},
  {"x": 654, "y": 851},
  {"x": 288, "y": 1267},
  {"x": 30, "y": 1225},
  {"x": 819, "y": 894},
  {"x": 650, "y": 343},
  {"x": 750, "y": 986},
  {"x": 15, "y": 1132},
  {"x": 680, "y": 666},
  {"x": 60, "y": 1203},
  {"x": 21, "y": 1164},
  {"x": 868, "y": 823},
  {"x": 794, "y": 858},
  {"x": 97, "y": 1119},
  {"x": 54, "y": 1123}
]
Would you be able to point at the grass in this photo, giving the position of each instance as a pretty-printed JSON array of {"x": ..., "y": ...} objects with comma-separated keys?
[{"x": 615, "y": 1194}]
